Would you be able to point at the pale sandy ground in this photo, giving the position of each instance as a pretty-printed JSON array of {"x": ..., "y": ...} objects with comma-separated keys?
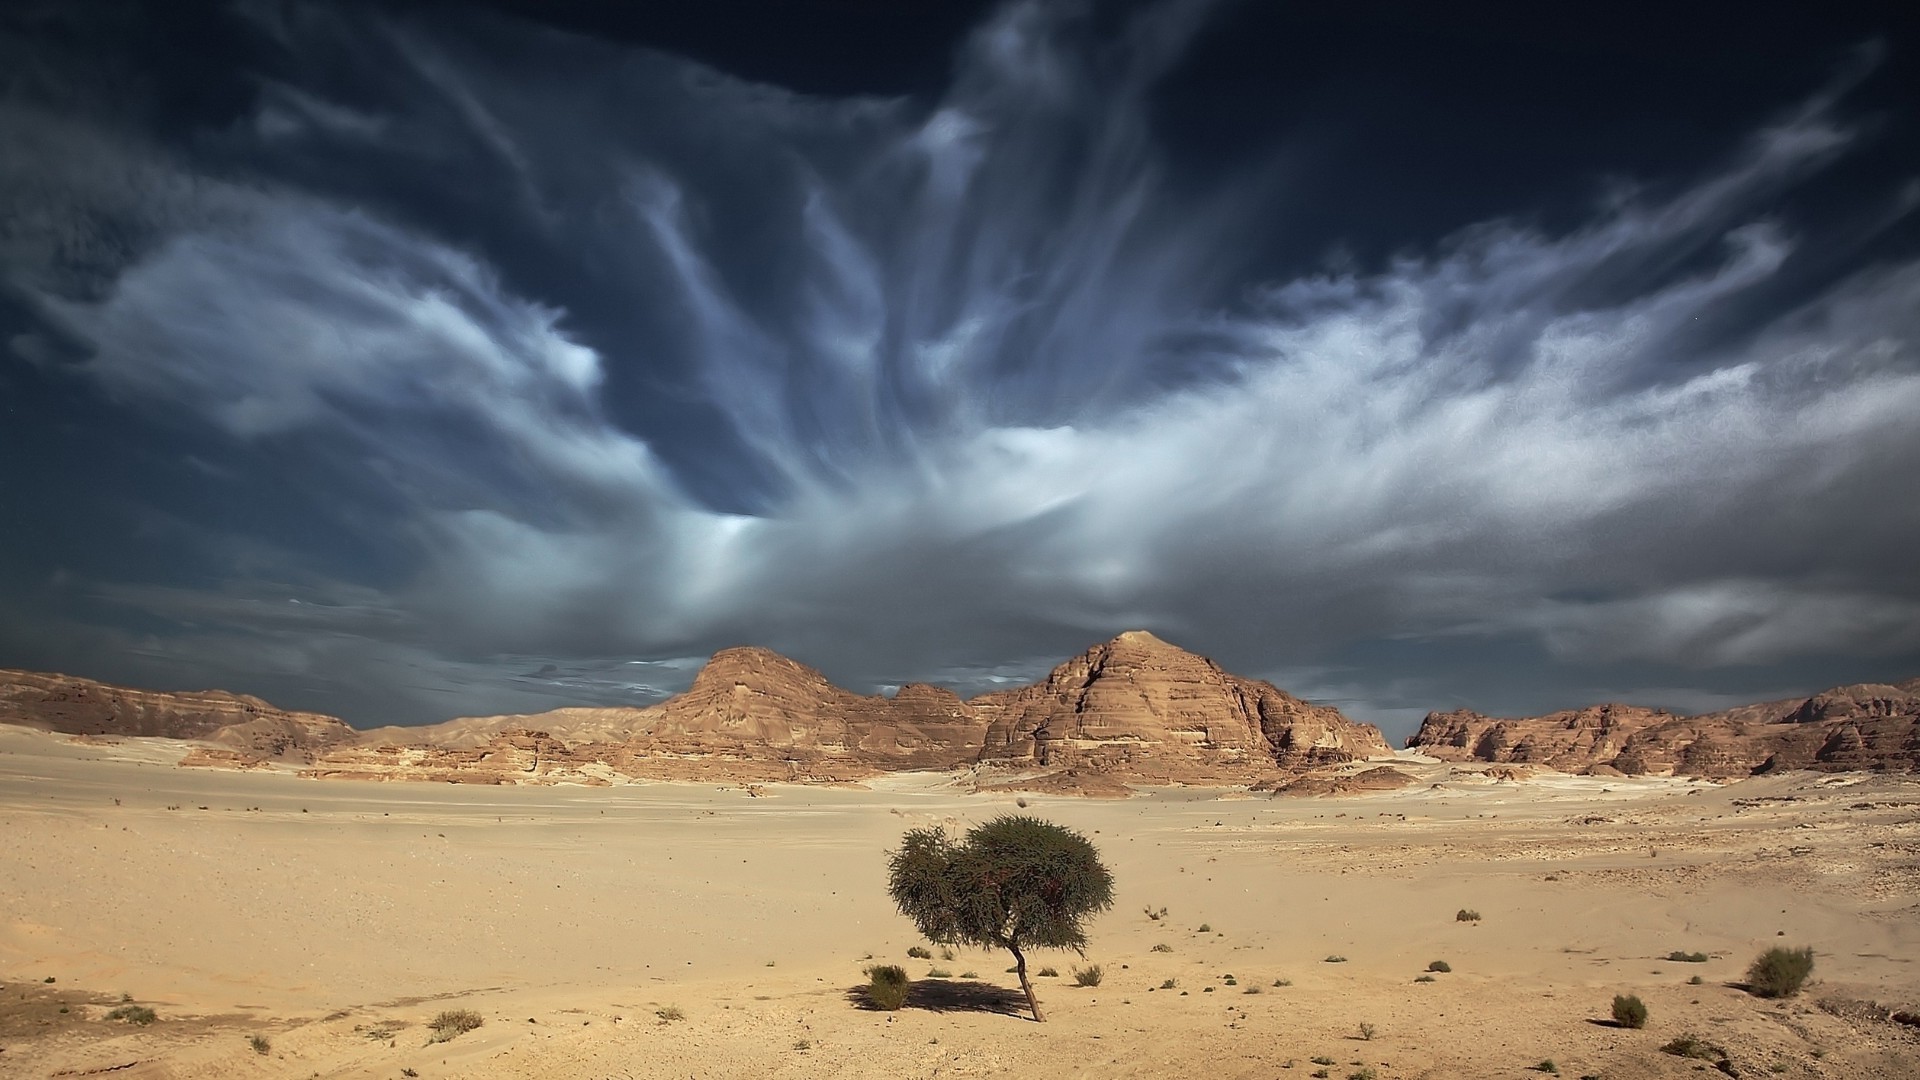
[{"x": 316, "y": 912}]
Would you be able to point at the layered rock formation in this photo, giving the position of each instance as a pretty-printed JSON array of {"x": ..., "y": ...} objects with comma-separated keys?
[
  {"x": 1141, "y": 707},
  {"x": 1134, "y": 709},
  {"x": 248, "y": 725},
  {"x": 1864, "y": 726}
]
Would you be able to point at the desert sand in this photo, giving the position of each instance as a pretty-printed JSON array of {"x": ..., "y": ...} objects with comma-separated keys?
[{"x": 335, "y": 918}]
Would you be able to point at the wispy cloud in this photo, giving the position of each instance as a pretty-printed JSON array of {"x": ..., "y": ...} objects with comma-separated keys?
[{"x": 1002, "y": 387}]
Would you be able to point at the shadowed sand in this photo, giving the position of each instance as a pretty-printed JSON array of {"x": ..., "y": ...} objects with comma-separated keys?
[{"x": 335, "y": 918}]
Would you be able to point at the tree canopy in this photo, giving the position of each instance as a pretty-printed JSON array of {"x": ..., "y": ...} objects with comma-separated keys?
[{"x": 1014, "y": 883}]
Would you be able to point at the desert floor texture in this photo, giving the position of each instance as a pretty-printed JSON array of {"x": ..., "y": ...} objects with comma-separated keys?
[{"x": 334, "y": 919}]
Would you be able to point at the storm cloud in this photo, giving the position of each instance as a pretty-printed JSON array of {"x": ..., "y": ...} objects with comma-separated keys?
[{"x": 486, "y": 367}]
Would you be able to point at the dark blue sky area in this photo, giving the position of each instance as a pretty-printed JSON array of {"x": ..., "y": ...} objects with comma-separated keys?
[{"x": 409, "y": 360}]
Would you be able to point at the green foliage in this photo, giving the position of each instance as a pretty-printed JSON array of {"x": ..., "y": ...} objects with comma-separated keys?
[
  {"x": 1780, "y": 972},
  {"x": 1440, "y": 966},
  {"x": 133, "y": 1014},
  {"x": 1692, "y": 1046},
  {"x": 1014, "y": 883},
  {"x": 452, "y": 1023},
  {"x": 887, "y": 986},
  {"x": 1629, "y": 1011},
  {"x": 1089, "y": 975},
  {"x": 1679, "y": 957}
]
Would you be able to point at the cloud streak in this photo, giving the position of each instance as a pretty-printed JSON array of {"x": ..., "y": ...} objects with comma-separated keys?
[{"x": 947, "y": 390}]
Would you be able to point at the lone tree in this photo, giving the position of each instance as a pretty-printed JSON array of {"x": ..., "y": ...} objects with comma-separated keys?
[{"x": 1015, "y": 883}]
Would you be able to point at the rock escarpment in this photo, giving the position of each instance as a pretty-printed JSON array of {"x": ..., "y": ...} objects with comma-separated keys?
[
  {"x": 1141, "y": 707},
  {"x": 1866, "y": 726},
  {"x": 246, "y": 725},
  {"x": 1134, "y": 709}
]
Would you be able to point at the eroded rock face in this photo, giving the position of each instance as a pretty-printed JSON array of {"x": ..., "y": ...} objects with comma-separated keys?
[
  {"x": 1139, "y": 707},
  {"x": 1132, "y": 709},
  {"x": 1864, "y": 726},
  {"x": 247, "y": 725}
]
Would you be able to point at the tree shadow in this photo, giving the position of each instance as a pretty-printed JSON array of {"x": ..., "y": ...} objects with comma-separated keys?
[{"x": 943, "y": 995}]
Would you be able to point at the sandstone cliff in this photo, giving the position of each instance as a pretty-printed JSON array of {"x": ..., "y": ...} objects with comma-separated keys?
[
  {"x": 1864, "y": 726},
  {"x": 1141, "y": 707},
  {"x": 1132, "y": 709},
  {"x": 76, "y": 706}
]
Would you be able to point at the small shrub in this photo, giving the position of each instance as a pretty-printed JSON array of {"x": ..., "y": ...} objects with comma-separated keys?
[
  {"x": 1440, "y": 966},
  {"x": 1336, "y": 959},
  {"x": 1206, "y": 928},
  {"x": 133, "y": 1014},
  {"x": 1156, "y": 916},
  {"x": 1169, "y": 984},
  {"x": 261, "y": 1044},
  {"x": 1547, "y": 1067},
  {"x": 669, "y": 1013},
  {"x": 1320, "y": 1074},
  {"x": 1162, "y": 947},
  {"x": 803, "y": 1044},
  {"x": 1367, "y": 1031},
  {"x": 1283, "y": 982},
  {"x": 920, "y": 952},
  {"x": 969, "y": 974},
  {"x": 1423, "y": 978},
  {"x": 1679, "y": 957},
  {"x": 1251, "y": 990},
  {"x": 1692, "y": 1046},
  {"x": 1230, "y": 981},
  {"x": 1466, "y": 915},
  {"x": 887, "y": 986},
  {"x": 1048, "y": 973},
  {"x": 453, "y": 1023},
  {"x": 1321, "y": 1059},
  {"x": 1629, "y": 1011},
  {"x": 939, "y": 973},
  {"x": 1363, "y": 1074},
  {"x": 380, "y": 1034},
  {"x": 1089, "y": 975},
  {"x": 1780, "y": 972},
  {"x": 1695, "y": 981}
]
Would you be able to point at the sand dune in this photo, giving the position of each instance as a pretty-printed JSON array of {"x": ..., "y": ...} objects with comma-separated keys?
[{"x": 335, "y": 918}]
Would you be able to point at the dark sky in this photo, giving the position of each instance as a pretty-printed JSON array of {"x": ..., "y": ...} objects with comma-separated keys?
[{"x": 411, "y": 360}]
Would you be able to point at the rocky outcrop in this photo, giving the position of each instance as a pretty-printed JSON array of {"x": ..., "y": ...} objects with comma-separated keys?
[
  {"x": 246, "y": 725},
  {"x": 1134, "y": 709},
  {"x": 1139, "y": 707},
  {"x": 1867, "y": 726}
]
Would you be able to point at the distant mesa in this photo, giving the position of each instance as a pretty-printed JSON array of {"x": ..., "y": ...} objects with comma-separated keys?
[
  {"x": 1866, "y": 726},
  {"x": 245, "y": 725},
  {"x": 1131, "y": 710}
]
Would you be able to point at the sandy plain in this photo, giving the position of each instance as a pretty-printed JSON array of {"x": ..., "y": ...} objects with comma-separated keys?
[{"x": 334, "y": 918}]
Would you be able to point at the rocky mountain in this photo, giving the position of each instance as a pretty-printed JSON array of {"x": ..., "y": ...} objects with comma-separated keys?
[
  {"x": 246, "y": 725},
  {"x": 1141, "y": 707},
  {"x": 1131, "y": 709},
  {"x": 1863, "y": 726}
]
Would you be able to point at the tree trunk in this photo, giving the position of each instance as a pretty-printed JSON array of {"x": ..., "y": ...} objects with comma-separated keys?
[{"x": 1020, "y": 965}]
